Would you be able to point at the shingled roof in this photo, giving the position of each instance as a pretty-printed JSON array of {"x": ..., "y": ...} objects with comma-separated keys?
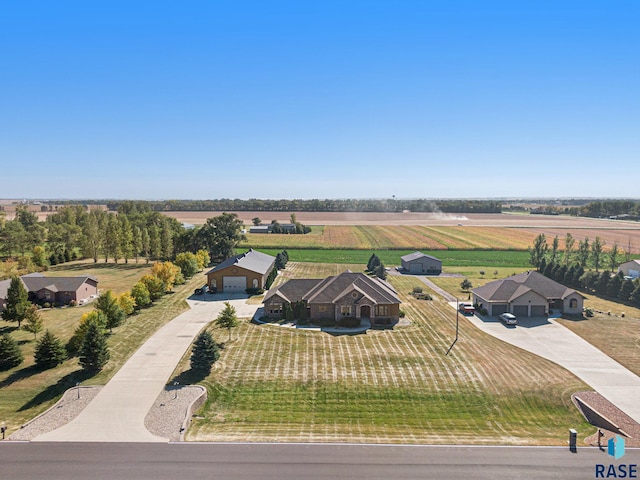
[
  {"x": 293, "y": 290},
  {"x": 253, "y": 261},
  {"x": 54, "y": 284},
  {"x": 510, "y": 288},
  {"x": 332, "y": 289}
]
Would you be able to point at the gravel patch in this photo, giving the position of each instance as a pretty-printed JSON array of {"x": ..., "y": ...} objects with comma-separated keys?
[
  {"x": 171, "y": 412},
  {"x": 169, "y": 416},
  {"x": 67, "y": 408}
]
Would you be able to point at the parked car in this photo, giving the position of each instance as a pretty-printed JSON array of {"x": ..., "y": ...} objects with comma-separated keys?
[
  {"x": 202, "y": 290},
  {"x": 466, "y": 309},
  {"x": 508, "y": 319}
]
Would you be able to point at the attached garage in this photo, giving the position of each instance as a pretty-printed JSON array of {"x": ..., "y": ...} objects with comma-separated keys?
[
  {"x": 538, "y": 311},
  {"x": 234, "y": 284},
  {"x": 521, "y": 310},
  {"x": 499, "y": 309}
]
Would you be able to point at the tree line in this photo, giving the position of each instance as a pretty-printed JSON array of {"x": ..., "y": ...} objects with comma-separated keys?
[
  {"x": 313, "y": 205},
  {"x": 578, "y": 266},
  {"x": 132, "y": 234}
]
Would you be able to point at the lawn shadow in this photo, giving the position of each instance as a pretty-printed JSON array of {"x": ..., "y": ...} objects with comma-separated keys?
[
  {"x": 97, "y": 266},
  {"x": 19, "y": 375},
  {"x": 8, "y": 329},
  {"x": 189, "y": 377},
  {"x": 53, "y": 391}
]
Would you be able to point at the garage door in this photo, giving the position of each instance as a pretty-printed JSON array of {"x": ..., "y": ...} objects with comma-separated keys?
[
  {"x": 499, "y": 309},
  {"x": 537, "y": 311},
  {"x": 415, "y": 267},
  {"x": 521, "y": 310},
  {"x": 234, "y": 284}
]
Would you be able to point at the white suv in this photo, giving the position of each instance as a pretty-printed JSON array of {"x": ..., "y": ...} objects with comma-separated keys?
[{"x": 508, "y": 319}]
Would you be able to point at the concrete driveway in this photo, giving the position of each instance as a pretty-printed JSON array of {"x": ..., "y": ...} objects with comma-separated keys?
[
  {"x": 552, "y": 341},
  {"x": 117, "y": 413}
]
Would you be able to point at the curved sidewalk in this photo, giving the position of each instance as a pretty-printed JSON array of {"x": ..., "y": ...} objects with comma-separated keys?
[
  {"x": 117, "y": 413},
  {"x": 552, "y": 341}
]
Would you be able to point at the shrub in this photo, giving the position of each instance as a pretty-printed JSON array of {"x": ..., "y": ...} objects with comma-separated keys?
[
  {"x": 46, "y": 305},
  {"x": 254, "y": 291},
  {"x": 402, "y": 313},
  {"x": 417, "y": 290},
  {"x": 483, "y": 311},
  {"x": 588, "y": 312},
  {"x": 73, "y": 303},
  {"x": 349, "y": 322}
]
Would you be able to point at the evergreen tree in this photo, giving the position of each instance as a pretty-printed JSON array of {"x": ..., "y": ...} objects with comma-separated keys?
[
  {"x": 626, "y": 290},
  {"x": 204, "y": 354},
  {"x": 17, "y": 302},
  {"x": 614, "y": 286},
  {"x": 227, "y": 318},
  {"x": 94, "y": 353},
  {"x": 33, "y": 321},
  {"x": 380, "y": 271},
  {"x": 288, "y": 312},
  {"x": 373, "y": 262},
  {"x": 10, "y": 353},
  {"x": 49, "y": 351},
  {"x": 635, "y": 296},
  {"x": 603, "y": 283}
]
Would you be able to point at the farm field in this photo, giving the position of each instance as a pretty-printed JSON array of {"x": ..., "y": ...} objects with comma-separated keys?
[
  {"x": 388, "y": 386},
  {"x": 381, "y": 237},
  {"x": 26, "y": 392},
  {"x": 391, "y": 258}
]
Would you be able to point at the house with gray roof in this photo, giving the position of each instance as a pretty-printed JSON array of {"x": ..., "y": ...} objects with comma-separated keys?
[
  {"x": 241, "y": 272},
  {"x": 528, "y": 294},
  {"x": 345, "y": 296},
  {"x": 54, "y": 290},
  {"x": 630, "y": 268},
  {"x": 420, "y": 263}
]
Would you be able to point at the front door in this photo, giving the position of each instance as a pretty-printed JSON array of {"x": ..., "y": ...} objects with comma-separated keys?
[{"x": 365, "y": 311}]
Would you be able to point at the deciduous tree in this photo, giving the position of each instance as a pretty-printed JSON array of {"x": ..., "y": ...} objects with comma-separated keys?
[
  {"x": 538, "y": 251},
  {"x": 596, "y": 252},
  {"x": 107, "y": 303},
  {"x": 33, "y": 321},
  {"x": 227, "y": 318},
  {"x": 140, "y": 294}
]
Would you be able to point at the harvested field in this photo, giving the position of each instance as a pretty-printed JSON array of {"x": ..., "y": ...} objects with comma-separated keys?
[
  {"x": 627, "y": 239},
  {"x": 389, "y": 386}
]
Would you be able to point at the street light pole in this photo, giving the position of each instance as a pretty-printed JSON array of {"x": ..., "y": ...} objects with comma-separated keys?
[{"x": 457, "y": 323}]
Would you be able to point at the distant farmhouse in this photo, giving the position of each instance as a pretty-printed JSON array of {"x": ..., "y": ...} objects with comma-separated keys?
[
  {"x": 281, "y": 227},
  {"x": 630, "y": 269},
  {"x": 348, "y": 295},
  {"x": 528, "y": 294},
  {"x": 54, "y": 290},
  {"x": 418, "y": 262},
  {"x": 237, "y": 274}
]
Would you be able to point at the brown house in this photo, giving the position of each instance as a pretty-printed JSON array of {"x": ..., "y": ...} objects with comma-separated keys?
[
  {"x": 237, "y": 274},
  {"x": 55, "y": 290},
  {"x": 348, "y": 295}
]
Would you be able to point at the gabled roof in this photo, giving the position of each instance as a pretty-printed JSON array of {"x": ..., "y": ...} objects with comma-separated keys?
[
  {"x": 636, "y": 261},
  {"x": 34, "y": 282},
  {"x": 510, "y": 288},
  {"x": 333, "y": 288},
  {"x": 416, "y": 255},
  {"x": 253, "y": 261},
  {"x": 293, "y": 290},
  {"x": 54, "y": 284}
]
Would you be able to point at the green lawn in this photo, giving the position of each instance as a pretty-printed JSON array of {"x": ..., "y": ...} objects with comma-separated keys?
[
  {"x": 488, "y": 259},
  {"x": 388, "y": 386},
  {"x": 26, "y": 392}
]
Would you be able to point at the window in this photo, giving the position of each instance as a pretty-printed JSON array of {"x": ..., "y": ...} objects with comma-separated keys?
[
  {"x": 382, "y": 310},
  {"x": 275, "y": 308},
  {"x": 322, "y": 308},
  {"x": 255, "y": 283},
  {"x": 345, "y": 310},
  {"x": 213, "y": 283},
  {"x": 573, "y": 303}
]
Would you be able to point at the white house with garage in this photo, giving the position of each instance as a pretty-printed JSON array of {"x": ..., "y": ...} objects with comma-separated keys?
[
  {"x": 241, "y": 272},
  {"x": 630, "y": 269},
  {"x": 418, "y": 262},
  {"x": 528, "y": 294}
]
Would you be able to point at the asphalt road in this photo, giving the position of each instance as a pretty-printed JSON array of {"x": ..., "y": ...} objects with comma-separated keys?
[{"x": 140, "y": 461}]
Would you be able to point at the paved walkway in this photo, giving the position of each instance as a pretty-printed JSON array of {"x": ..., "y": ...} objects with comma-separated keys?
[
  {"x": 552, "y": 341},
  {"x": 117, "y": 413}
]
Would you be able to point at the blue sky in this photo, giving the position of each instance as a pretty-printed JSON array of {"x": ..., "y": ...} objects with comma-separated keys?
[{"x": 319, "y": 99}]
